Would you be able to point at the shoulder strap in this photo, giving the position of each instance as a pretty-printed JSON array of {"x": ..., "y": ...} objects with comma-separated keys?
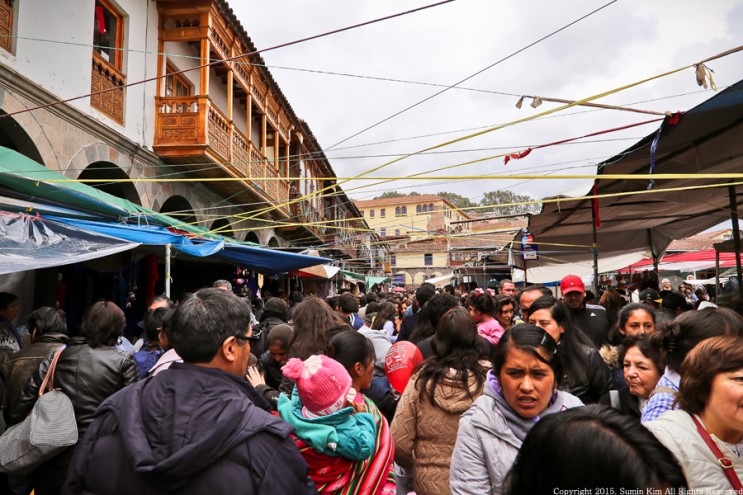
[
  {"x": 663, "y": 390},
  {"x": 725, "y": 462},
  {"x": 49, "y": 378},
  {"x": 614, "y": 398}
]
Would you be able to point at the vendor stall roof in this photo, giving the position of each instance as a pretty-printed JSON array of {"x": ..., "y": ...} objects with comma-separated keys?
[{"x": 645, "y": 216}]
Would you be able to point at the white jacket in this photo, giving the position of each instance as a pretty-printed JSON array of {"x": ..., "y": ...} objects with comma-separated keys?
[{"x": 676, "y": 430}]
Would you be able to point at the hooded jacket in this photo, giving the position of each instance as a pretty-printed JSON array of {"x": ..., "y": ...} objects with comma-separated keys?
[
  {"x": 425, "y": 432},
  {"x": 488, "y": 441},
  {"x": 187, "y": 430}
]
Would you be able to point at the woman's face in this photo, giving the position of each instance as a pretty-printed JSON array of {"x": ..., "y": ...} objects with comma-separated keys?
[
  {"x": 11, "y": 312},
  {"x": 638, "y": 322},
  {"x": 543, "y": 319},
  {"x": 278, "y": 353},
  {"x": 505, "y": 316},
  {"x": 723, "y": 413},
  {"x": 362, "y": 375},
  {"x": 639, "y": 373},
  {"x": 527, "y": 383}
]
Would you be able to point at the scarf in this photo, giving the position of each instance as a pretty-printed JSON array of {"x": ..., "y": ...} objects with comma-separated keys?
[{"x": 520, "y": 426}]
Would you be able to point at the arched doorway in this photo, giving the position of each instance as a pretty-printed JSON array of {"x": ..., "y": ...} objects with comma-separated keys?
[
  {"x": 252, "y": 237},
  {"x": 273, "y": 242},
  {"x": 179, "y": 208},
  {"x": 107, "y": 171},
  {"x": 13, "y": 136},
  {"x": 222, "y": 227}
]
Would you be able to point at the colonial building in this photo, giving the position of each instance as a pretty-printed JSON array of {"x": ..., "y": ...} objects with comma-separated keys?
[
  {"x": 168, "y": 101},
  {"x": 412, "y": 216}
]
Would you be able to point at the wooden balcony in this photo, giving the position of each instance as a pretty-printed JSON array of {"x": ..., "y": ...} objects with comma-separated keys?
[
  {"x": 192, "y": 132},
  {"x": 6, "y": 26},
  {"x": 106, "y": 78}
]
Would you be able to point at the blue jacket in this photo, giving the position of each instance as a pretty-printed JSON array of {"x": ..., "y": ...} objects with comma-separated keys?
[
  {"x": 344, "y": 433},
  {"x": 188, "y": 429}
]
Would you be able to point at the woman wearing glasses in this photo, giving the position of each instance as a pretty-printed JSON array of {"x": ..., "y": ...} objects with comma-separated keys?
[{"x": 519, "y": 391}]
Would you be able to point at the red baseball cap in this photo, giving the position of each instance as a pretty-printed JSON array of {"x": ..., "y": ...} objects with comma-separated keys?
[{"x": 572, "y": 283}]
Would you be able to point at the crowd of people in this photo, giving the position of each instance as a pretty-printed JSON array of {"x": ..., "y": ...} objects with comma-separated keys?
[{"x": 517, "y": 392}]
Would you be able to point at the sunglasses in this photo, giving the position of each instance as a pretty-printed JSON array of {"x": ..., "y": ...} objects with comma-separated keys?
[{"x": 253, "y": 338}]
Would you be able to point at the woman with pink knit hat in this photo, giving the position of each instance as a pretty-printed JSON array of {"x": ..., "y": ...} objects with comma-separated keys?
[{"x": 324, "y": 411}]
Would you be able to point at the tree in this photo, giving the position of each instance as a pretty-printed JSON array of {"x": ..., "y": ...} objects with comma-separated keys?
[
  {"x": 501, "y": 197},
  {"x": 456, "y": 199},
  {"x": 390, "y": 194}
]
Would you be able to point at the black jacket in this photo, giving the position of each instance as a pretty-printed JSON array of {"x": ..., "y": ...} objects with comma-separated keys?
[
  {"x": 593, "y": 321},
  {"x": 598, "y": 382},
  {"x": 628, "y": 403},
  {"x": 188, "y": 429},
  {"x": 87, "y": 375}
]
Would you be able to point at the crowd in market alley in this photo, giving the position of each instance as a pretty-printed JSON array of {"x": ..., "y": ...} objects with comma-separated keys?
[{"x": 436, "y": 390}]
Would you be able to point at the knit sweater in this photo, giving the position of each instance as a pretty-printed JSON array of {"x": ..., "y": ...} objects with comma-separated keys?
[{"x": 425, "y": 433}]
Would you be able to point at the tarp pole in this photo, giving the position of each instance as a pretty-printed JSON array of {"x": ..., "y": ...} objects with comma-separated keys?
[
  {"x": 652, "y": 252},
  {"x": 167, "y": 270},
  {"x": 736, "y": 237},
  {"x": 595, "y": 250}
]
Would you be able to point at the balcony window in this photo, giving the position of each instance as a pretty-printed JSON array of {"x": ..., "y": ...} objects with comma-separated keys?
[
  {"x": 382, "y": 212},
  {"x": 418, "y": 209},
  {"x": 393, "y": 259},
  {"x": 425, "y": 208},
  {"x": 404, "y": 210},
  {"x": 371, "y": 213},
  {"x": 6, "y": 25},
  {"x": 397, "y": 231},
  {"x": 428, "y": 259},
  {"x": 383, "y": 232},
  {"x": 108, "y": 78},
  {"x": 397, "y": 211}
]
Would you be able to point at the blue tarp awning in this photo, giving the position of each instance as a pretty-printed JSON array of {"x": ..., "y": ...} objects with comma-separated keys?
[{"x": 260, "y": 259}]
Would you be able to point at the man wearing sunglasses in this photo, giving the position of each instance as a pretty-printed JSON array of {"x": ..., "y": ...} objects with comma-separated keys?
[{"x": 197, "y": 427}]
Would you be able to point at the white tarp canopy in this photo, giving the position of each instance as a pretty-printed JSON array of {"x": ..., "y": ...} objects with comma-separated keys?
[
  {"x": 440, "y": 281},
  {"x": 584, "y": 268},
  {"x": 322, "y": 271}
]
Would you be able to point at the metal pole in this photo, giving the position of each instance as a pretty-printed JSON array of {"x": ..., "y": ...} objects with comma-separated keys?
[
  {"x": 736, "y": 237},
  {"x": 595, "y": 250},
  {"x": 167, "y": 270}
]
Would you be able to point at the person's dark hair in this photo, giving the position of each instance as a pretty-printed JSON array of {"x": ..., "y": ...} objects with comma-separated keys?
[
  {"x": 592, "y": 446},
  {"x": 163, "y": 298},
  {"x": 47, "y": 320},
  {"x": 103, "y": 324},
  {"x": 349, "y": 348},
  {"x": 372, "y": 307},
  {"x": 280, "y": 334},
  {"x": 708, "y": 359},
  {"x": 611, "y": 299},
  {"x": 674, "y": 300},
  {"x": 528, "y": 338},
  {"x": 332, "y": 302},
  {"x": 204, "y": 320},
  {"x": 503, "y": 300},
  {"x": 615, "y": 333},
  {"x": 541, "y": 288},
  {"x": 312, "y": 318},
  {"x": 676, "y": 338},
  {"x": 275, "y": 307},
  {"x": 371, "y": 297},
  {"x": 386, "y": 313},
  {"x": 362, "y": 300},
  {"x": 429, "y": 316},
  {"x": 572, "y": 356},
  {"x": 340, "y": 324},
  {"x": 347, "y": 303},
  {"x": 296, "y": 297},
  {"x": 456, "y": 347},
  {"x": 642, "y": 342},
  {"x": 423, "y": 293},
  {"x": 153, "y": 322},
  {"x": 6, "y": 298},
  {"x": 482, "y": 302},
  {"x": 256, "y": 303}
]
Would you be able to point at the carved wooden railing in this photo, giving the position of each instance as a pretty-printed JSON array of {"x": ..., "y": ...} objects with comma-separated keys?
[
  {"x": 219, "y": 130},
  {"x": 6, "y": 26},
  {"x": 106, "y": 78},
  {"x": 240, "y": 153}
]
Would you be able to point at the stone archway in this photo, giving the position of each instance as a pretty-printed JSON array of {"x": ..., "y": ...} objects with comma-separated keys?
[
  {"x": 107, "y": 170},
  {"x": 252, "y": 237},
  {"x": 222, "y": 227},
  {"x": 273, "y": 242},
  {"x": 14, "y": 137},
  {"x": 179, "y": 208},
  {"x": 419, "y": 278}
]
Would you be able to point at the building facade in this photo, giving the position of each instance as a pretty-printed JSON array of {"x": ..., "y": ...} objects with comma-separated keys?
[{"x": 165, "y": 103}]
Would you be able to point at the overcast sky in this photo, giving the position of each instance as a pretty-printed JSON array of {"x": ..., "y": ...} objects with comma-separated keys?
[{"x": 625, "y": 42}]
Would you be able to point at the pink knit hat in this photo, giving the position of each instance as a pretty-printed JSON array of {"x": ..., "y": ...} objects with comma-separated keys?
[{"x": 322, "y": 383}]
